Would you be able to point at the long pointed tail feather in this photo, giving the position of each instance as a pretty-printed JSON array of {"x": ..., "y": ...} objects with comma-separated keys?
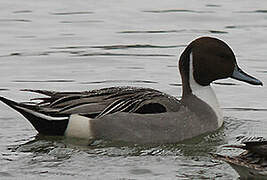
[
  {"x": 43, "y": 123},
  {"x": 44, "y": 92}
]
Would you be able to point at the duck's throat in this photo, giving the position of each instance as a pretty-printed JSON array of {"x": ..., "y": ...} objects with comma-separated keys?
[{"x": 205, "y": 93}]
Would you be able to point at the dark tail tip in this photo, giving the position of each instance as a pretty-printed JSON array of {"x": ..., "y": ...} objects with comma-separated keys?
[
  {"x": 38, "y": 119},
  {"x": 8, "y": 102}
]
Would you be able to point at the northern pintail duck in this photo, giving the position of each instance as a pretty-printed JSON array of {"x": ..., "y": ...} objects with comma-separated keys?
[
  {"x": 252, "y": 163},
  {"x": 142, "y": 115}
]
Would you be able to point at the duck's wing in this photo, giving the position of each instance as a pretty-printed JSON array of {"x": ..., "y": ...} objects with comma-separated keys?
[{"x": 98, "y": 103}]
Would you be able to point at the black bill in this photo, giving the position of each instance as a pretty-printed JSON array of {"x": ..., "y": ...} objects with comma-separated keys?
[{"x": 240, "y": 75}]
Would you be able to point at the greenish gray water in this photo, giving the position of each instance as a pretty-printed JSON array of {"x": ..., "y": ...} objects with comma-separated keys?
[{"x": 83, "y": 45}]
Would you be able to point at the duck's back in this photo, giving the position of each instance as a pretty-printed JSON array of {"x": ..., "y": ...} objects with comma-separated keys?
[{"x": 102, "y": 102}]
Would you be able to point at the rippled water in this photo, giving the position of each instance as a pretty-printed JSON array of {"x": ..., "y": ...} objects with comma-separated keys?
[{"x": 81, "y": 45}]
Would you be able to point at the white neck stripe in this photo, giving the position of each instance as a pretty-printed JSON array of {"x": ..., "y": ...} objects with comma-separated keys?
[{"x": 205, "y": 93}]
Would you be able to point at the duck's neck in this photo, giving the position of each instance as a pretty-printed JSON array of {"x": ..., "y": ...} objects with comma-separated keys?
[{"x": 205, "y": 93}]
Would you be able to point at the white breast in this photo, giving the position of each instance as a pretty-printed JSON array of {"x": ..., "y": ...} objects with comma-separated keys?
[{"x": 205, "y": 93}]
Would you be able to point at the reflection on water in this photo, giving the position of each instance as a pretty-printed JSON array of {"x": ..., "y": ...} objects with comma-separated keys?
[
  {"x": 82, "y": 45},
  {"x": 244, "y": 109},
  {"x": 120, "y": 81},
  {"x": 256, "y": 11},
  {"x": 110, "y": 47},
  {"x": 55, "y": 152},
  {"x": 23, "y": 11},
  {"x": 174, "y": 31},
  {"x": 124, "y": 54},
  {"x": 152, "y": 31},
  {"x": 44, "y": 81},
  {"x": 177, "y": 11},
  {"x": 199, "y": 146},
  {"x": 84, "y": 53},
  {"x": 71, "y": 13},
  {"x": 15, "y": 20},
  {"x": 86, "y": 21}
]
